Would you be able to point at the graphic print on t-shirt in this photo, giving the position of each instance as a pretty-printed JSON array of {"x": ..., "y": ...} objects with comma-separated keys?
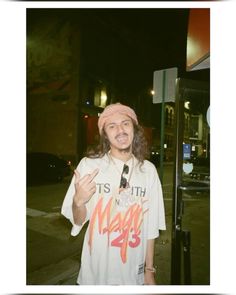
[{"x": 123, "y": 215}]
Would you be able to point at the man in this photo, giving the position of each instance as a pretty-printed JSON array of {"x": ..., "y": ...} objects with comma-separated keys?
[{"x": 119, "y": 192}]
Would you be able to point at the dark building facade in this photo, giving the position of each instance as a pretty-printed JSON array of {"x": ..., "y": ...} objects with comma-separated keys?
[{"x": 78, "y": 61}]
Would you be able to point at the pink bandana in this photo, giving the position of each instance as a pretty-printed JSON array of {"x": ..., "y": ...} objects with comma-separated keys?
[{"x": 111, "y": 110}]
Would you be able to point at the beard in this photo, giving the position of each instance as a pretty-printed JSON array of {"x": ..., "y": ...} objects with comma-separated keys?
[{"x": 125, "y": 150}]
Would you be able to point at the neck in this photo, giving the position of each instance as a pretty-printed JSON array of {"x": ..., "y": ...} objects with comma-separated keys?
[{"x": 123, "y": 155}]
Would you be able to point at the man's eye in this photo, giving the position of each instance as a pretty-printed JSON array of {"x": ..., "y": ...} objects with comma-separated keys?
[{"x": 111, "y": 126}]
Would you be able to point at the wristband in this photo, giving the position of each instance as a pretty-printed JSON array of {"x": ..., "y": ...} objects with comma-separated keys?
[{"x": 150, "y": 269}]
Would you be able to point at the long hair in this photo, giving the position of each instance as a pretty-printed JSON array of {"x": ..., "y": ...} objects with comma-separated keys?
[{"x": 139, "y": 145}]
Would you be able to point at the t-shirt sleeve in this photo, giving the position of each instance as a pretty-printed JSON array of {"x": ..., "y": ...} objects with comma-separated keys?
[
  {"x": 66, "y": 209},
  {"x": 156, "y": 216}
]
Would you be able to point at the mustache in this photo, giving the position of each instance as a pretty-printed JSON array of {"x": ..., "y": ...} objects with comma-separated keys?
[{"x": 121, "y": 134}]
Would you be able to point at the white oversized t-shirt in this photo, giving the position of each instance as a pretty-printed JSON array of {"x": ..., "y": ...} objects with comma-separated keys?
[{"x": 119, "y": 223}]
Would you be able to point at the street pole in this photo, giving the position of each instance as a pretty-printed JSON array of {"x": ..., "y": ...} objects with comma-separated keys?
[
  {"x": 164, "y": 90},
  {"x": 162, "y": 126},
  {"x": 177, "y": 204}
]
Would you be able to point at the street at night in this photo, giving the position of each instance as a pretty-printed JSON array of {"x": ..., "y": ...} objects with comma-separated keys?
[
  {"x": 78, "y": 62},
  {"x": 63, "y": 63}
]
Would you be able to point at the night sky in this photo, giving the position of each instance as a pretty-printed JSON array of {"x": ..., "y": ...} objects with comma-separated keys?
[{"x": 150, "y": 39}]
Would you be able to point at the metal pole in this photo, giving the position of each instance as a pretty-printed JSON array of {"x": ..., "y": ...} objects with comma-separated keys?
[
  {"x": 162, "y": 126},
  {"x": 186, "y": 237},
  {"x": 177, "y": 205}
]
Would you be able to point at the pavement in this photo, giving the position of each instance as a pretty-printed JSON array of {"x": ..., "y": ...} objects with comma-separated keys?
[{"x": 56, "y": 230}]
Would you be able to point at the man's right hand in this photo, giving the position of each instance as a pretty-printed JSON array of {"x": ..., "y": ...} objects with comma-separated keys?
[{"x": 85, "y": 187}]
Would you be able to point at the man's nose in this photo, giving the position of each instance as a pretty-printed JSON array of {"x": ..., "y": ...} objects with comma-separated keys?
[{"x": 120, "y": 128}]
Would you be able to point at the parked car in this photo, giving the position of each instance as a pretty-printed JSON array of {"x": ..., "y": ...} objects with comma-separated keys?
[{"x": 46, "y": 167}]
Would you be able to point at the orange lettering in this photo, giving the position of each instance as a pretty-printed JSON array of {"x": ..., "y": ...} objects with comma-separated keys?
[
  {"x": 127, "y": 223},
  {"x": 101, "y": 216}
]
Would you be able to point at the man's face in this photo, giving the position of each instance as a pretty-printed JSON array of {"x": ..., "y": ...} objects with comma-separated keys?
[{"x": 120, "y": 132}]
